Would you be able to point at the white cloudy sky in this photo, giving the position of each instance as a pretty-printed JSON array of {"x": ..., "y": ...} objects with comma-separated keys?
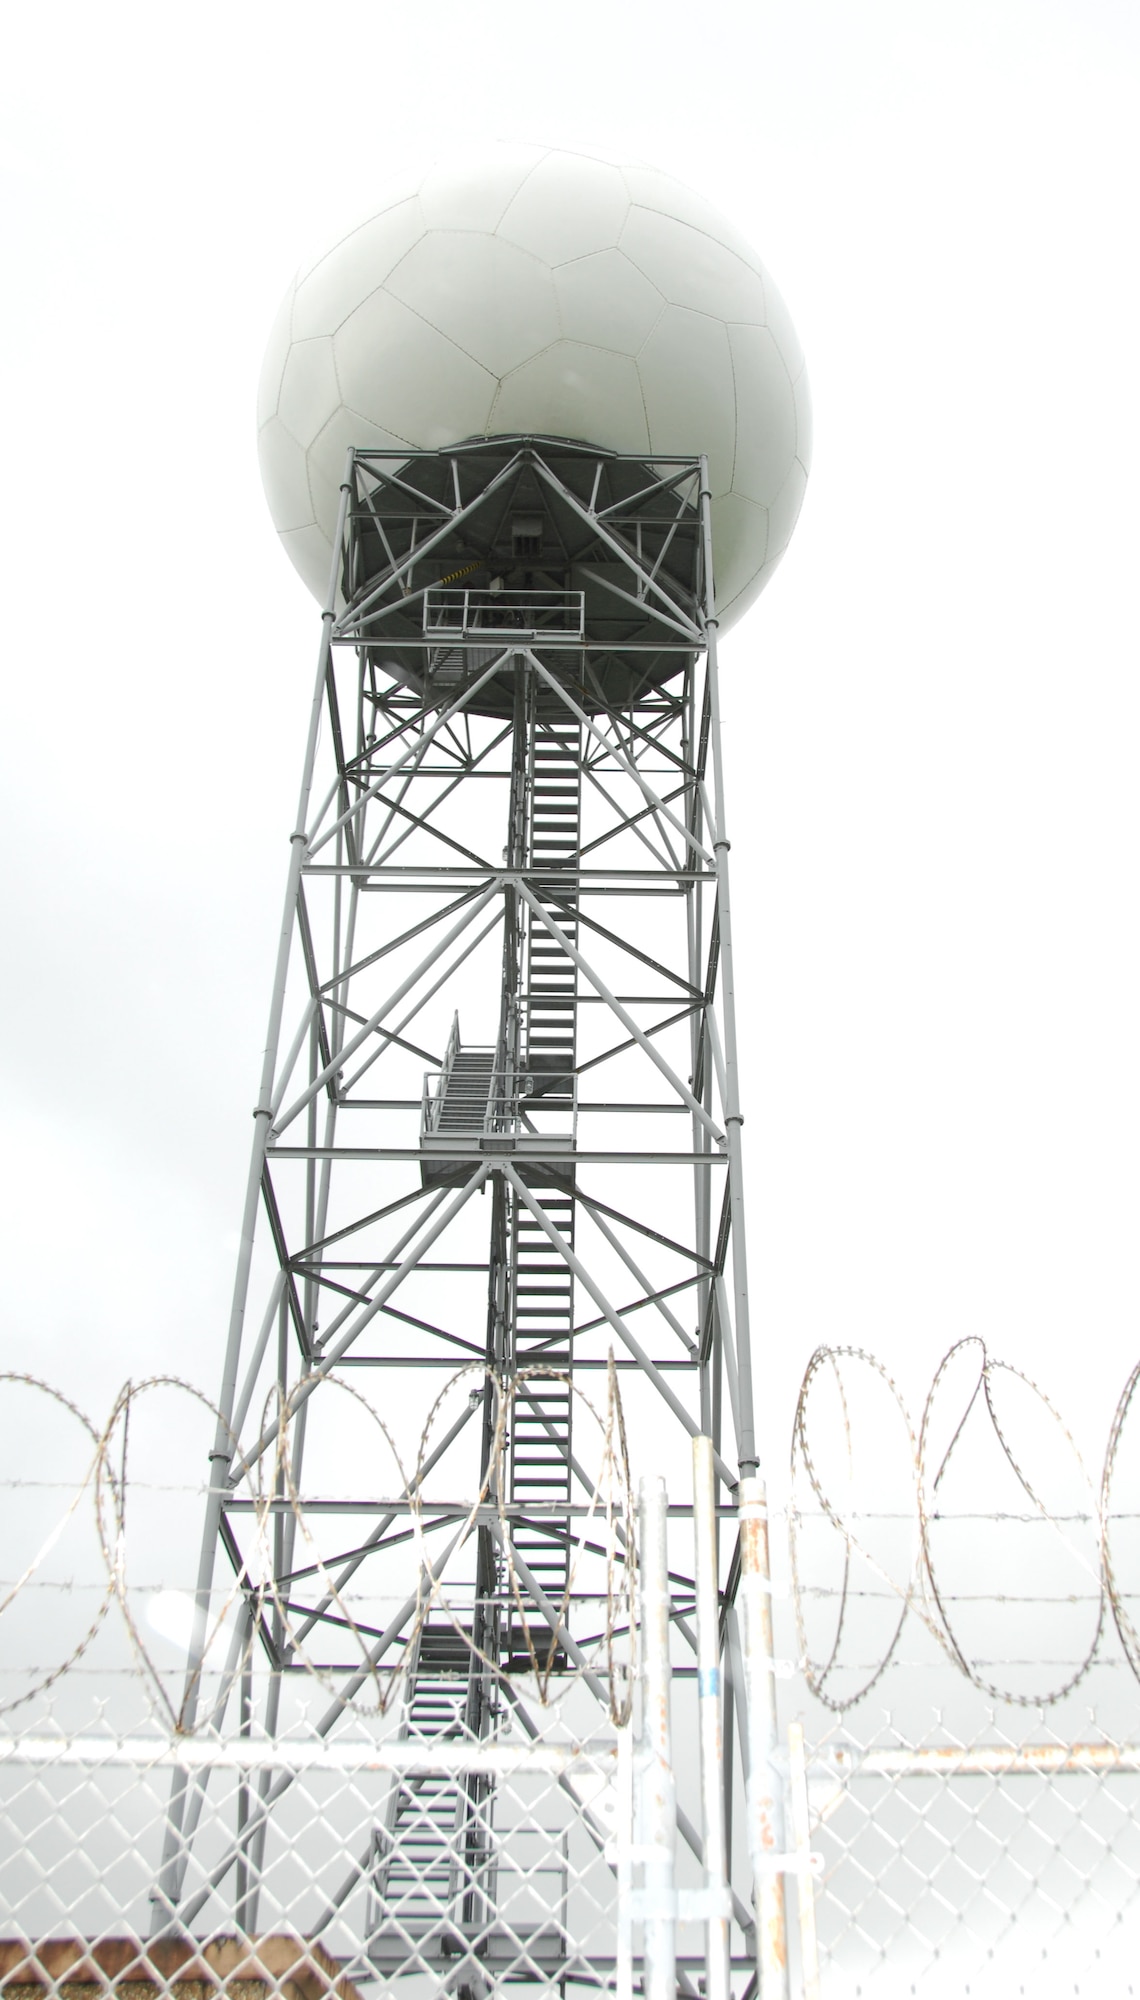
[{"x": 935, "y": 715}]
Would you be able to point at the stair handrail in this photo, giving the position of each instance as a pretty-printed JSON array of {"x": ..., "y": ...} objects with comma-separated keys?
[
  {"x": 430, "y": 1106},
  {"x": 510, "y": 1087},
  {"x": 453, "y": 1045}
]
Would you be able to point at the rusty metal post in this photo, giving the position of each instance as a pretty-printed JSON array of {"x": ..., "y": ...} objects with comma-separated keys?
[
  {"x": 717, "y": 1985},
  {"x": 766, "y": 1843},
  {"x": 658, "y": 1790}
]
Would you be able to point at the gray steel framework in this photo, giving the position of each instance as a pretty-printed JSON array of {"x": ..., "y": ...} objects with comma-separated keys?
[{"x": 498, "y": 1130}]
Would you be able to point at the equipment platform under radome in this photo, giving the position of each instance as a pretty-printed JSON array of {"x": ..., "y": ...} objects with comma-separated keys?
[{"x": 592, "y": 560}]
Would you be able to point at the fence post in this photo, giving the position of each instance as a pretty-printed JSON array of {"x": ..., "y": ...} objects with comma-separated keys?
[
  {"x": 766, "y": 1843},
  {"x": 805, "y": 1882},
  {"x": 717, "y": 1985},
  {"x": 658, "y": 1790},
  {"x": 623, "y": 1969}
]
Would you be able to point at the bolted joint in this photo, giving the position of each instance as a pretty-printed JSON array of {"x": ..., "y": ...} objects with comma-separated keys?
[
  {"x": 734, "y": 1118},
  {"x": 719, "y": 844}
]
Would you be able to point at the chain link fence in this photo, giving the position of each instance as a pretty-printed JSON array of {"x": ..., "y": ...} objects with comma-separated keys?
[
  {"x": 376, "y": 1836},
  {"x": 985, "y": 1854},
  {"x": 957, "y": 1762},
  {"x": 962, "y": 1595},
  {"x": 504, "y": 1871}
]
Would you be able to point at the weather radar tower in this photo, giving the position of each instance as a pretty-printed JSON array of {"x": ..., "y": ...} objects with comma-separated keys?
[{"x": 532, "y": 433}]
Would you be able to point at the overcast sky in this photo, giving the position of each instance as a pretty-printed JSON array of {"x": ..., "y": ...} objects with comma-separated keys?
[{"x": 934, "y": 711}]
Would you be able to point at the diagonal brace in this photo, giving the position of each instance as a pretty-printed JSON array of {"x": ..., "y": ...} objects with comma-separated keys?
[
  {"x": 627, "y": 1020},
  {"x": 634, "y": 1347}
]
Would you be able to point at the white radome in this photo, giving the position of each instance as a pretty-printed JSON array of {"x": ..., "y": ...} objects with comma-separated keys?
[{"x": 550, "y": 293}]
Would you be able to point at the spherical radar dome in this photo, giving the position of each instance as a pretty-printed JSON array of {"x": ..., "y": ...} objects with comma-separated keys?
[{"x": 549, "y": 293}]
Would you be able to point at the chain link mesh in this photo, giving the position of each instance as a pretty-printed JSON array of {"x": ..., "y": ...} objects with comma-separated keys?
[
  {"x": 523, "y": 1892},
  {"x": 958, "y": 1665}
]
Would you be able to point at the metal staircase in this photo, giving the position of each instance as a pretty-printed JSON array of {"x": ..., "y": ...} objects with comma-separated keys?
[
  {"x": 540, "y": 1439},
  {"x": 425, "y": 1864},
  {"x": 542, "y": 1285},
  {"x": 555, "y": 835},
  {"x": 465, "y": 1097},
  {"x": 457, "y": 1103}
]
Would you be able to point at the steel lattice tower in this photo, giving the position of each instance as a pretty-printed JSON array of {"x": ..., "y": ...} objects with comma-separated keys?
[{"x": 498, "y": 1132}]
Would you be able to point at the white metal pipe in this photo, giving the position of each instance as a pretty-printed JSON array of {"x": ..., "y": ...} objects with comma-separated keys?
[
  {"x": 728, "y": 1352},
  {"x": 241, "y": 1408},
  {"x": 706, "y": 1572},
  {"x": 658, "y": 1798},
  {"x": 290, "y": 1063},
  {"x": 765, "y": 1789},
  {"x": 293, "y": 1756},
  {"x": 984, "y": 1760},
  {"x": 717, "y": 1056},
  {"x": 623, "y": 1982},
  {"x": 805, "y": 1880},
  {"x": 733, "y": 1118}
]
